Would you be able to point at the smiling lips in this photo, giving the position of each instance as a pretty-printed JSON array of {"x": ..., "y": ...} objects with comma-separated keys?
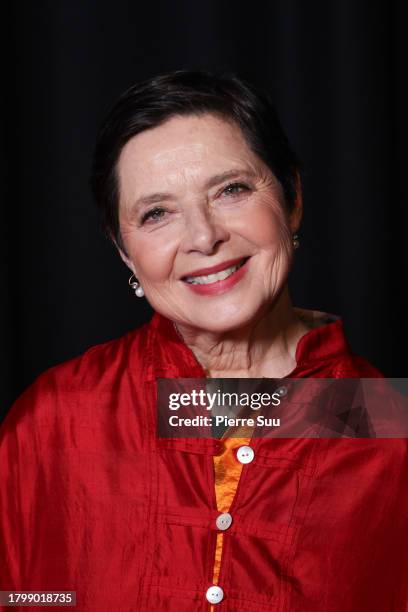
[{"x": 217, "y": 279}]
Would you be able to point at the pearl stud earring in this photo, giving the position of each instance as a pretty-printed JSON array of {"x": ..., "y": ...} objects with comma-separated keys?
[{"x": 136, "y": 286}]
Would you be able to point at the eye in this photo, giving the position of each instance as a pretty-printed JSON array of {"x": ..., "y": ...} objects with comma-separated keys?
[
  {"x": 155, "y": 214},
  {"x": 235, "y": 189}
]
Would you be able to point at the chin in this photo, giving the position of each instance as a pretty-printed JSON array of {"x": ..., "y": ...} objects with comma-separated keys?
[{"x": 224, "y": 321}]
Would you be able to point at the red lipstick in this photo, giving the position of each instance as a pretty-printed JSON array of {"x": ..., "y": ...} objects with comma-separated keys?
[
  {"x": 221, "y": 286},
  {"x": 213, "y": 269}
]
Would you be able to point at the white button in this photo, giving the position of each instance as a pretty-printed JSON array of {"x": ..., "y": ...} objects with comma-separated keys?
[
  {"x": 224, "y": 521},
  {"x": 282, "y": 391},
  {"x": 245, "y": 454},
  {"x": 214, "y": 594}
]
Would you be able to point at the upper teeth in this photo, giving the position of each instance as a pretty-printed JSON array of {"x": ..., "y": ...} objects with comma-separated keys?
[{"x": 212, "y": 278}]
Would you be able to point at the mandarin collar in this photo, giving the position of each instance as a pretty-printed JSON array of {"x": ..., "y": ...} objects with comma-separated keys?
[{"x": 170, "y": 357}]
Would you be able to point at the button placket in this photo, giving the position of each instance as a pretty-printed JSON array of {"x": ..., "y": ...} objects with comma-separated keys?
[
  {"x": 214, "y": 594},
  {"x": 245, "y": 454},
  {"x": 224, "y": 521},
  {"x": 282, "y": 391}
]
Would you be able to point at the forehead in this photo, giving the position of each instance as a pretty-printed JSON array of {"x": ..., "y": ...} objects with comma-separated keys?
[{"x": 191, "y": 143}]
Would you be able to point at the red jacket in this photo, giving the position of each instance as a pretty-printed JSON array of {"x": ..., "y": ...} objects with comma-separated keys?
[{"x": 92, "y": 502}]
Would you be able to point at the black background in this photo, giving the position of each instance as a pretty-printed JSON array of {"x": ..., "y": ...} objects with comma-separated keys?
[{"x": 336, "y": 70}]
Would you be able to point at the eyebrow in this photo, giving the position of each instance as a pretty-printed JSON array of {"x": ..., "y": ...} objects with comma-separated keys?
[{"x": 212, "y": 182}]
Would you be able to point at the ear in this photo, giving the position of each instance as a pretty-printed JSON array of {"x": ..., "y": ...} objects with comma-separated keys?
[
  {"x": 126, "y": 259},
  {"x": 295, "y": 216}
]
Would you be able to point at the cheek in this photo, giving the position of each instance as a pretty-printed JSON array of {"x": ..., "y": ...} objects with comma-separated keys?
[
  {"x": 264, "y": 224},
  {"x": 153, "y": 260}
]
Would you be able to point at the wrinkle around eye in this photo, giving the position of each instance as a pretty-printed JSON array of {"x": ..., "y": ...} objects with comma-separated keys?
[
  {"x": 151, "y": 224},
  {"x": 148, "y": 216},
  {"x": 241, "y": 188},
  {"x": 241, "y": 193}
]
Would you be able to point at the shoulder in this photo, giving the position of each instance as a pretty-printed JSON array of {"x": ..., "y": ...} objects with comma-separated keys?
[
  {"x": 98, "y": 364},
  {"x": 325, "y": 351},
  {"x": 355, "y": 366},
  {"x": 78, "y": 381},
  {"x": 101, "y": 363}
]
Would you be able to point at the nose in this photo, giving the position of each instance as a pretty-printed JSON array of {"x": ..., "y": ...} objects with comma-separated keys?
[{"x": 203, "y": 232}]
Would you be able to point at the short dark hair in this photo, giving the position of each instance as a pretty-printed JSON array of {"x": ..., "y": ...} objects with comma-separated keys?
[{"x": 150, "y": 103}]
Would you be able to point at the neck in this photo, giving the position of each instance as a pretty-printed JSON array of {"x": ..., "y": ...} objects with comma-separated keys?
[{"x": 266, "y": 347}]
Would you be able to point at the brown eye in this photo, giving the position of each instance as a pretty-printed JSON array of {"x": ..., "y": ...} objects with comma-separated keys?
[{"x": 155, "y": 214}]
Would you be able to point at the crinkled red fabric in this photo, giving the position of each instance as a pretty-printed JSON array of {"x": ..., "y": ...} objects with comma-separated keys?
[{"x": 93, "y": 502}]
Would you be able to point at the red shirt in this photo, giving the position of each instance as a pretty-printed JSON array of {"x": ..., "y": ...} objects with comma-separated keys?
[{"x": 91, "y": 500}]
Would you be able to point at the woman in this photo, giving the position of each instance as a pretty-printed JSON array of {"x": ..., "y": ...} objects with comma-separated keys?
[{"x": 200, "y": 192}]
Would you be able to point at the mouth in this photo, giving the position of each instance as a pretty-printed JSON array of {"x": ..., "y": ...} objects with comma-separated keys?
[{"x": 220, "y": 275}]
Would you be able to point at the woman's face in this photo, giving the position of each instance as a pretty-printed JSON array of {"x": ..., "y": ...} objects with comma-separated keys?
[{"x": 203, "y": 222}]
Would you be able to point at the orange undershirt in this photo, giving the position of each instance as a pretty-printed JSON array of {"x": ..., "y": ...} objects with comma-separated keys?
[{"x": 227, "y": 472}]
